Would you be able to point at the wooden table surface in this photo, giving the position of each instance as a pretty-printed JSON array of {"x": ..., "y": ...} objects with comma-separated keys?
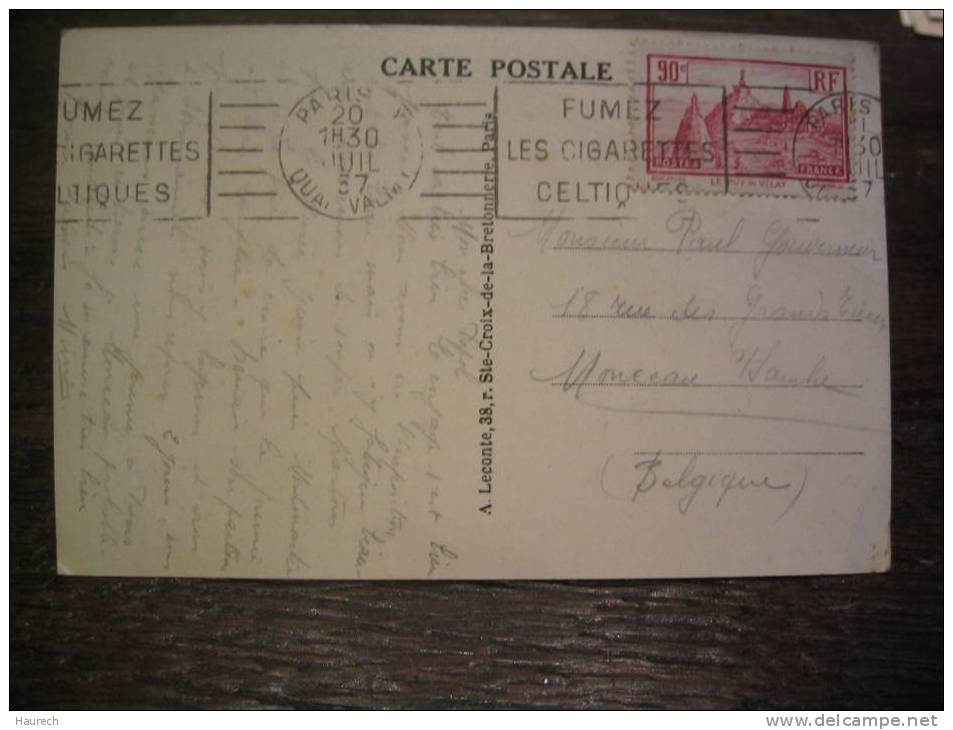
[{"x": 867, "y": 641}]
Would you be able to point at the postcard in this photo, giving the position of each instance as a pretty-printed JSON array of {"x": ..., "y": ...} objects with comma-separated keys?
[{"x": 343, "y": 302}]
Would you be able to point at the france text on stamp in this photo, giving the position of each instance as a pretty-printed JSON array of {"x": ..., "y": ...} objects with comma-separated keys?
[{"x": 749, "y": 122}]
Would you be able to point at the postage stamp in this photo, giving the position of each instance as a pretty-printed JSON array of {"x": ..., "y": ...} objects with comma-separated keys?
[
  {"x": 748, "y": 122},
  {"x": 347, "y": 151}
]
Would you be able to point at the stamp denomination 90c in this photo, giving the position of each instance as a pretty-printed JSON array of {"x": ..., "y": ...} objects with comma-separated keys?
[{"x": 747, "y": 119}]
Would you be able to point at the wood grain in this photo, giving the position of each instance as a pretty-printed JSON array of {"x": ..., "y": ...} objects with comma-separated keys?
[{"x": 849, "y": 642}]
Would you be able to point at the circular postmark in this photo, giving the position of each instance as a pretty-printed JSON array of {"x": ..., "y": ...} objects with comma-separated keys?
[
  {"x": 862, "y": 141},
  {"x": 347, "y": 150}
]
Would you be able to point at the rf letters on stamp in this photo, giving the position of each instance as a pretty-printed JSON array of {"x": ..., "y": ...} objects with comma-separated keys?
[{"x": 352, "y": 302}]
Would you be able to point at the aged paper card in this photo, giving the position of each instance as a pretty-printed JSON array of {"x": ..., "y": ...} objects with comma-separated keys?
[{"x": 407, "y": 302}]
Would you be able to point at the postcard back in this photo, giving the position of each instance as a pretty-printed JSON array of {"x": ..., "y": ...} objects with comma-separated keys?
[{"x": 410, "y": 302}]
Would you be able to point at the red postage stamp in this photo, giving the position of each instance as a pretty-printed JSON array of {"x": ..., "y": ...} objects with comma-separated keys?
[{"x": 742, "y": 118}]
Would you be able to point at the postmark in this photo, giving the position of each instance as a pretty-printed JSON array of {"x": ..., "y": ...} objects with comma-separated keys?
[
  {"x": 866, "y": 144},
  {"x": 350, "y": 150},
  {"x": 747, "y": 125}
]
